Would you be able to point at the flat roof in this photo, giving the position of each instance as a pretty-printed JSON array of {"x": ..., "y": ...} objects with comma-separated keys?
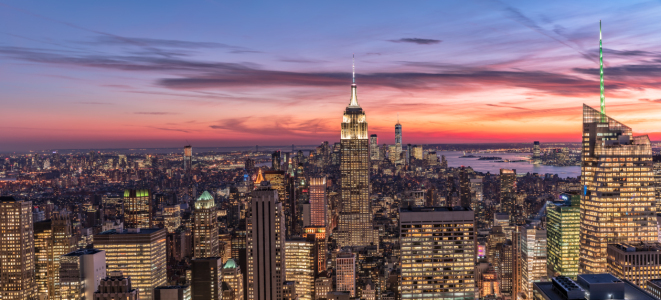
[
  {"x": 437, "y": 208},
  {"x": 125, "y": 231},
  {"x": 83, "y": 252}
]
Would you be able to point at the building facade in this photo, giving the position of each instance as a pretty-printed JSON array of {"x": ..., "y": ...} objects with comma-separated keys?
[
  {"x": 205, "y": 228},
  {"x": 17, "y": 271},
  {"x": 532, "y": 259},
  {"x": 137, "y": 209},
  {"x": 562, "y": 229},
  {"x": 81, "y": 273},
  {"x": 443, "y": 268},
  {"x": 299, "y": 258},
  {"x": 345, "y": 272},
  {"x": 207, "y": 278},
  {"x": 636, "y": 262}
]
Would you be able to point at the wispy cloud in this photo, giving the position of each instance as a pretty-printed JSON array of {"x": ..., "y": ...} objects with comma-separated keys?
[
  {"x": 155, "y": 113},
  {"x": 418, "y": 41}
]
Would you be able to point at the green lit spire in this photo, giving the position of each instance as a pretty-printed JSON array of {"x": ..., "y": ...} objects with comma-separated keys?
[{"x": 601, "y": 77}]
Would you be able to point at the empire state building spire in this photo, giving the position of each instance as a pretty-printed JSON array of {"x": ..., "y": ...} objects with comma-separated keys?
[{"x": 354, "y": 96}]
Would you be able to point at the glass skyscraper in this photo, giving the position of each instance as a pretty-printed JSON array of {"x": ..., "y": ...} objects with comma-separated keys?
[{"x": 562, "y": 234}]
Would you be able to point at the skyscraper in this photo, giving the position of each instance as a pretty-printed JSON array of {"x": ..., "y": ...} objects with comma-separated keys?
[
  {"x": 207, "y": 278},
  {"x": 398, "y": 140},
  {"x": 318, "y": 201},
  {"x": 533, "y": 259},
  {"x": 136, "y": 253},
  {"x": 116, "y": 286},
  {"x": 355, "y": 220},
  {"x": 188, "y": 158},
  {"x": 345, "y": 268},
  {"x": 233, "y": 277},
  {"x": 205, "y": 229},
  {"x": 444, "y": 267},
  {"x": 265, "y": 245},
  {"x": 276, "y": 161},
  {"x": 464, "y": 188},
  {"x": 374, "y": 147},
  {"x": 563, "y": 226},
  {"x": 618, "y": 201},
  {"x": 16, "y": 250},
  {"x": 536, "y": 153},
  {"x": 52, "y": 239},
  {"x": 137, "y": 209},
  {"x": 299, "y": 259},
  {"x": 507, "y": 193},
  {"x": 81, "y": 272}
]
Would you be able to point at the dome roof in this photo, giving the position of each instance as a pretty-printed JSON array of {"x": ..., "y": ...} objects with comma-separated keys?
[{"x": 230, "y": 264}]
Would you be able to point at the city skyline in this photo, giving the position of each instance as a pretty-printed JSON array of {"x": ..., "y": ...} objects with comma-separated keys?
[{"x": 157, "y": 77}]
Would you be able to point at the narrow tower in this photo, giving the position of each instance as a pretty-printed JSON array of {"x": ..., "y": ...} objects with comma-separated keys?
[
  {"x": 601, "y": 78},
  {"x": 355, "y": 222}
]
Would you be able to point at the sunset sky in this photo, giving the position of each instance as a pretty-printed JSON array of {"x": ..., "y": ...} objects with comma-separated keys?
[{"x": 117, "y": 74}]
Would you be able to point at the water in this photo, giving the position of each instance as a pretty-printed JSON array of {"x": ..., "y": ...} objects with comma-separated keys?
[{"x": 454, "y": 160}]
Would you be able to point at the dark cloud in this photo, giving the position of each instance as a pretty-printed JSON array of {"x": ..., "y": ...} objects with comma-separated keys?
[
  {"x": 155, "y": 113},
  {"x": 418, "y": 41},
  {"x": 625, "y": 52}
]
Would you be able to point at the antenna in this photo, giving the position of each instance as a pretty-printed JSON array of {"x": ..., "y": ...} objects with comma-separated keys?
[{"x": 353, "y": 67}]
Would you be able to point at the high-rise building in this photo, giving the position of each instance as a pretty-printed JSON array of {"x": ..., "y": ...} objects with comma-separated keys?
[
  {"x": 299, "y": 266},
  {"x": 477, "y": 200},
  {"x": 233, "y": 277},
  {"x": 506, "y": 261},
  {"x": 562, "y": 229},
  {"x": 116, "y": 286},
  {"x": 398, "y": 140},
  {"x": 137, "y": 209},
  {"x": 172, "y": 292},
  {"x": 137, "y": 253},
  {"x": 52, "y": 239},
  {"x": 417, "y": 152},
  {"x": 265, "y": 245},
  {"x": 205, "y": 228},
  {"x": 188, "y": 158},
  {"x": 249, "y": 164},
  {"x": 318, "y": 202},
  {"x": 536, "y": 153},
  {"x": 532, "y": 258},
  {"x": 279, "y": 182},
  {"x": 508, "y": 193},
  {"x": 207, "y": 278},
  {"x": 355, "y": 219},
  {"x": 276, "y": 161},
  {"x": 618, "y": 203},
  {"x": 16, "y": 250},
  {"x": 636, "y": 262},
  {"x": 656, "y": 167},
  {"x": 442, "y": 268},
  {"x": 464, "y": 188},
  {"x": 323, "y": 284},
  {"x": 374, "y": 147},
  {"x": 345, "y": 271},
  {"x": 80, "y": 273}
]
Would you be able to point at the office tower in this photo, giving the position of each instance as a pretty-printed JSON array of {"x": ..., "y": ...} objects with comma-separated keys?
[
  {"x": 592, "y": 287},
  {"x": 172, "y": 217},
  {"x": 392, "y": 154},
  {"x": 408, "y": 153},
  {"x": 636, "y": 262},
  {"x": 417, "y": 152},
  {"x": 398, "y": 140},
  {"x": 137, "y": 209},
  {"x": 477, "y": 201},
  {"x": 265, "y": 245},
  {"x": 616, "y": 172},
  {"x": 431, "y": 196},
  {"x": 276, "y": 161},
  {"x": 374, "y": 147},
  {"x": 442, "y": 268},
  {"x": 188, "y": 158},
  {"x": 506, "y": 261},
  {"x": 116, "y": 286},
  {"x": 464, "y": 188},
  {"x": 52, "y": 239},
  {"x": 172, "y": 292},
  {"x": 489, "y": 284},
  {"x": 323, "y": 284},
  {"x": 137, "y": 253},
  {"x": 508, "y": 193},
  {"x": 80, "y": 273},
  {"x": 17, "y": 270},
  {"x": 318, "y": 201},
  {"x": 345, "y": 271},
  {"x": 501, "y": 219},
  {"x": 533, "y": 258},
  {"x": 562, "y": 229},
  {"x": 205, "y": 229},
  {"x": 207, "y": 277},
  {"x": 656, "y": 167},
  {"x": 355, "y": 219},
  {"x": 233, "y": 277},
  {"x": 249, "y": 164},
  {"x": 654, "y": 287},
  {"x": 495, "y": 237},
  {"x": 285, "y": 185},
  {"x": 536, "y": 153},
  {"x": 299, "y": 266}
]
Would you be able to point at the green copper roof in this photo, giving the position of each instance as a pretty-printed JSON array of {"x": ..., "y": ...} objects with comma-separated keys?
[
  {"x": 205, "y": 197},
  {"x": 230, "y": 264}
]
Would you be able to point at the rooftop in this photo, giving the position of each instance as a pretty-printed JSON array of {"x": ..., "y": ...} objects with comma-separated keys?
[
  {"x": 84, "y": 252},
  {"x": 642, "y": 247},
  {"x": 141, "y": 231},
  {"x": 431, "y": 209}
]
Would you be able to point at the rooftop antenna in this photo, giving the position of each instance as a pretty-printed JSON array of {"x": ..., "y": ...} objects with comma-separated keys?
[{"x": 353, "y": 65}]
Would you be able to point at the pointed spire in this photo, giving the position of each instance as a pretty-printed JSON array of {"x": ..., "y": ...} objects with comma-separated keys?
[
  {"x": 397, "y": 118},
  {"x": 353, "y": 65},
  {"x": 354, "y": 95},
  {"x": 601, "y": 77},
  {"x": 259, "y": 178}
]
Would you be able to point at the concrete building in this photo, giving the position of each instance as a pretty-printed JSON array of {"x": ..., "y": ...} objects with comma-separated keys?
[
  {"x": 635, "y": 262},
  {"x": 300, "y": 266},
  {"x": 442, "y": 268},
  {"x": 345, "y": 272},
  {"x": 172, "y": 292},
  {"x": 17, "y": 271},
  {"x": 589, "y": 287},
  {"x": 52, "y": 239},
  {"x": 138, "y": 254},
  {"x": 265, "y": 245},
  {"x": 80, "y": 273},
  {"x": 532, "y": 259},
  {"x": 115, "y": 287},
  {"x": 207, "y": 278},
  {"x": 233, "y": 277}
]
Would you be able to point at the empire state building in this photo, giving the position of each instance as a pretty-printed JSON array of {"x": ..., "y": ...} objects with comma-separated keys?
[{"x": 355, "y": 222}]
